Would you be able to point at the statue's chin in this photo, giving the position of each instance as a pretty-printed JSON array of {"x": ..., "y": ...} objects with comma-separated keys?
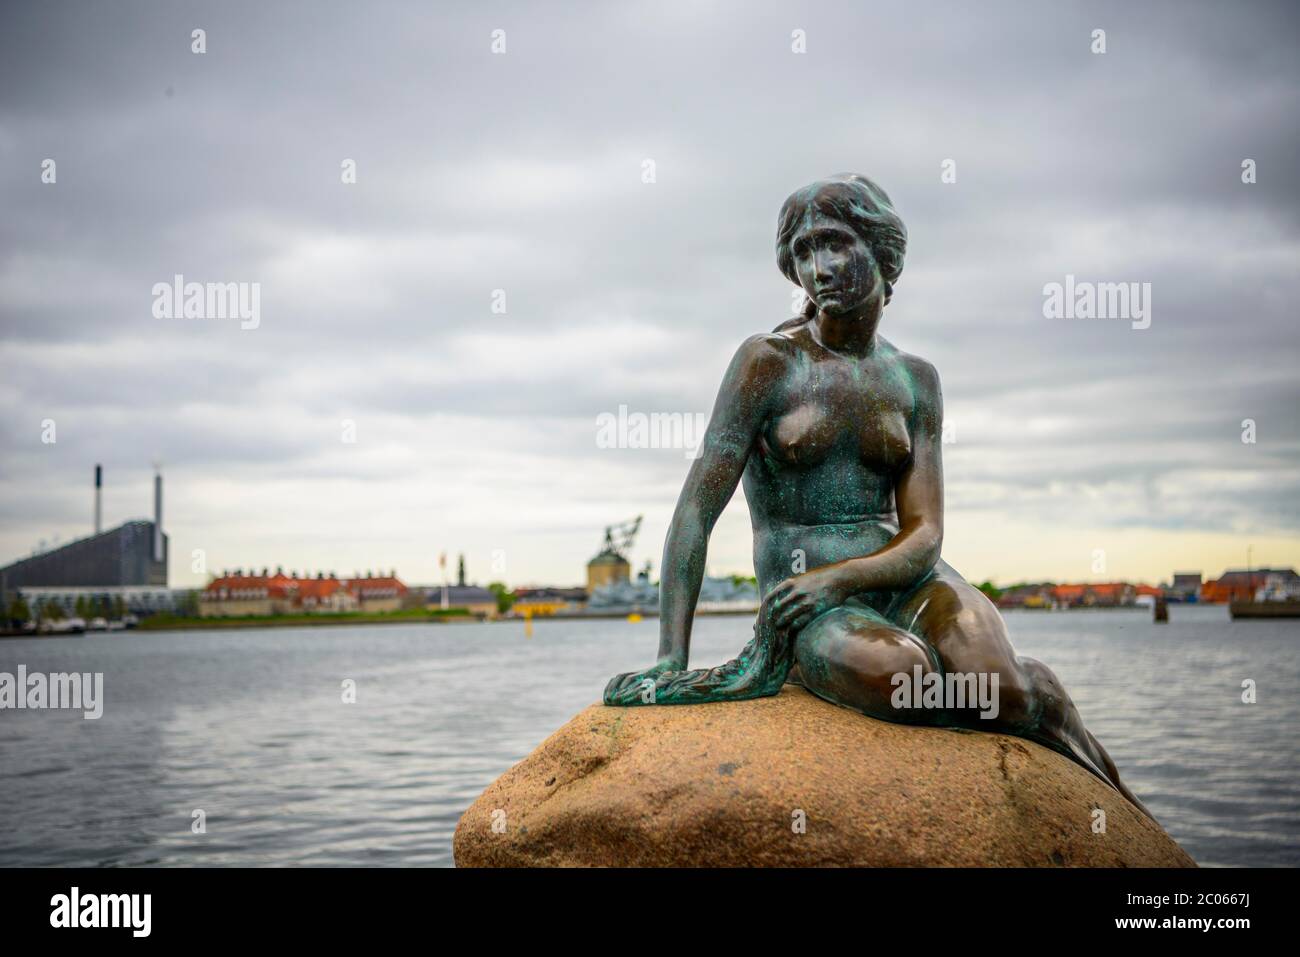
[{"x": 838, "y": 307}]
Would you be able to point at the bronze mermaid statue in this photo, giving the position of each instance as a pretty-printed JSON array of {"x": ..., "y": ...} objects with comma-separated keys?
[{"x": 837, "y": 436}]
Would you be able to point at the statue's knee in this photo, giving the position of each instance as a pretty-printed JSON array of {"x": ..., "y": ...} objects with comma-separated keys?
[{"x": 862, "y": 667}]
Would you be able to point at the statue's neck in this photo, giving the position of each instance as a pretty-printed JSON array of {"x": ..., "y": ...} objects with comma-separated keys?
[{"x": 850, "y": 332}]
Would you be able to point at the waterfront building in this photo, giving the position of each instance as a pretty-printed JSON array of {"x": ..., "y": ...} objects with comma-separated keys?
[
  {"x": 1242, "y": 584},
  {"x": 119, "y": 557},
  {"x": 135, "y": 599},
  {"x": 477, "y": 601},
  {"x": 1186, "y": 587},
  {"x": 716, "y": 595},
  {"x": 133, "y": 554},
  {"x": 1095, "y": 595},
  {"x": 607, "y": 568},
  {"x": 548, "y": 601},
  {"x": 1026, "y": 596},
  {"x": 237, "y": 593},
  {"x": 377, "y": 592},
  {"x": 610, "y": 565}
]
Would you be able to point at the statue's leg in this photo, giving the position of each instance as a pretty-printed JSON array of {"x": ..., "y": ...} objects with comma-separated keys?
[
  {"x": 850, "y": 655},
  {"x": 967, "y": 632}
]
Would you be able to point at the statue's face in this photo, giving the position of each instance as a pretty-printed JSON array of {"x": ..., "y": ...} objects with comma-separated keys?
[{"x": 835, "y": 265}]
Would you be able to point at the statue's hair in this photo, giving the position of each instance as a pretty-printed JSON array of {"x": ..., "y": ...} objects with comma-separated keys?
[{"x": 858, "y": 203}]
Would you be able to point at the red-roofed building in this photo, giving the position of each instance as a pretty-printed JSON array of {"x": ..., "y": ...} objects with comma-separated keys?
[
  {"x": 1241, "y": 585},
  {"x": 378, "y": 592},
  {"x": 235, "y": 594},
  {"x": 1097, "y": 595}
]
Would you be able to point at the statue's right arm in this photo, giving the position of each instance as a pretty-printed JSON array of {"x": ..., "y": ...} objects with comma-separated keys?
[{"x": 738, "y": 415}]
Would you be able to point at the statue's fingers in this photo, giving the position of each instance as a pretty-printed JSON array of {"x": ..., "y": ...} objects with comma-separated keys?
[
  {"x": 777, "y": 591},
  {"x": 782, "y": 605},
  {"x": 790, "y": 612},
  {"x": 800, "y": 623}
]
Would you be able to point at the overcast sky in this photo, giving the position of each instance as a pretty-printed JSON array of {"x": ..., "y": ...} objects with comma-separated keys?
[{"x": 524, "y": 171}]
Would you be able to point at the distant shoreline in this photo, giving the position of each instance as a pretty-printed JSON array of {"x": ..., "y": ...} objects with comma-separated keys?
[{"x": 166, "y": 623}]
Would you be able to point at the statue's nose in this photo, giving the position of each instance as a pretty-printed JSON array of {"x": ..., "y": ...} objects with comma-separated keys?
[{"x": 822, "y": 264}]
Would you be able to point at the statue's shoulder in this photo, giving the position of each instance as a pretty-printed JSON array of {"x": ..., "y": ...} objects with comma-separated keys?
[
  {"x": 922, "y": 371},
  {"x": 761, "y": 360},
  {"x": 926, "y": 390},
  {"x": 766, "y": 348}
]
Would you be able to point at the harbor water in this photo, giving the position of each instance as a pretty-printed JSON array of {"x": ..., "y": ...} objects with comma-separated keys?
[{"x": 250, "y": 728}]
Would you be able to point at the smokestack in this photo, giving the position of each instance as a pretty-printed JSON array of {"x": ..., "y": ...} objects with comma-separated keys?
[
  {"x": 99, "y": 499},
  {"x": 157, "y": 517}
]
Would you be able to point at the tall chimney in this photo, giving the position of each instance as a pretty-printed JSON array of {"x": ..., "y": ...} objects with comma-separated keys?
[
  {"x": 99, "y": 499},
  {"x": 157, "y": 517}
]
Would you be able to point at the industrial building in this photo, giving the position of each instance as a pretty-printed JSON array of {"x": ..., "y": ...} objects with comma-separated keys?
[
  {"x": 610, "y": 566},
  {"x": 129, "y": 560}
]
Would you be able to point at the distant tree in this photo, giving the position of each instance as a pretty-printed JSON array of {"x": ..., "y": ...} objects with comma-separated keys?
[
  {"x": 18, "y": 611},
  {"x": 82, "y": 607},
  {"x": 743, "y": 580},
  {"x": 504, "y": 598},
  {"x": 52, "y": 610},
  {"x": 187, "y": 605},
  {"x": 990, "y": 589},
  {"x": 119, "y": 608}
]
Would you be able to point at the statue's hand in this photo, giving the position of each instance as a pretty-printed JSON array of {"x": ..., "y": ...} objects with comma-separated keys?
[
  {"x": 798, "y": 600},
  {"x": 636, "y": 687}
]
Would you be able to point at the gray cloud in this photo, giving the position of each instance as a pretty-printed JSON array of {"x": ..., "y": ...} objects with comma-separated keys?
[{"x": 523, "y": 172}]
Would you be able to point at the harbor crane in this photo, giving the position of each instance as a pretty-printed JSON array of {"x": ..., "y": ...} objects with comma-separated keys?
[{"x": 619, "y": 538}]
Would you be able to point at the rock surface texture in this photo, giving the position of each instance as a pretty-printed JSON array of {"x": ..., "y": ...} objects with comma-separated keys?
[{"x": 794, "y": 781}]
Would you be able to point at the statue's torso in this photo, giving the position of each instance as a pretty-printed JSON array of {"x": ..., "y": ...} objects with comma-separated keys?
[{"x": 820, "y": 479}]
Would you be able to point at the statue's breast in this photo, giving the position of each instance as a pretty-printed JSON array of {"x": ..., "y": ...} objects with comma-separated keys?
[
  {"x": 806, "y": 435},
  {"x": 802, "y": 436},
  {"x": 886, "y": 442}
]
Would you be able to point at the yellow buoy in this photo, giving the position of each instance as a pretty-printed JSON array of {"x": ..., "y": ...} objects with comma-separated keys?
[{"x": 634, "y": 617}]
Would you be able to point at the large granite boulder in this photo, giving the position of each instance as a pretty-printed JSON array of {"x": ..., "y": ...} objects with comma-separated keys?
[{"x": 792, "y": 780}]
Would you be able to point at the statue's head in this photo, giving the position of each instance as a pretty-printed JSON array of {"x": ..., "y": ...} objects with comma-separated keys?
[{"x": 840, "y": 239}]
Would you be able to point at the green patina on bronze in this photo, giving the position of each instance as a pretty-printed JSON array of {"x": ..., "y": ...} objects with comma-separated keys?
[{"x": 837, "y": 436}]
